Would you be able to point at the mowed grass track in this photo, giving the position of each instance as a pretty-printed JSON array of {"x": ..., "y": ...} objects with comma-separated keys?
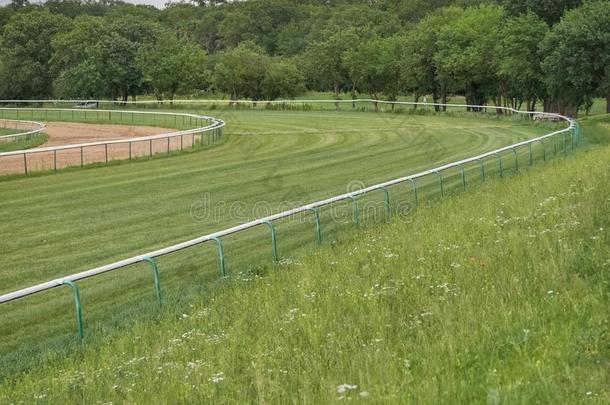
[
  {"x": 497, "y": 296},
  {"x": 72, "y": 221}
]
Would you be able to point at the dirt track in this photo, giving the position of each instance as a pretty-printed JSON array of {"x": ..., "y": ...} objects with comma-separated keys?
[{"x": 66, "y": 133}]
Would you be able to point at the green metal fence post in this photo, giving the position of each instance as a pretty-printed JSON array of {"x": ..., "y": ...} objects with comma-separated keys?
[
  {"x": 386, "y": 201},
  {"x": 440, "y": 182},
  {"x": 543, "y": 150},
  {"x": 414, "y": 185},
  {"x": 221, "y": 257},
  {"x": 531, "y": 161},
  {"x": 155, "y": 272},
  {"x": 482, "y": 169},
  {"x": 356, "y": 212},
  {"x": 463, "y": 174},
  {"x": 555, "y": 145},
  {"x": 316, "y": 212},
  {"x": 514, "y": 150},
  {"x": 500, "y": 164},
  {"x": 273, "y": 240},
  {"x": 77, "y": 304}
]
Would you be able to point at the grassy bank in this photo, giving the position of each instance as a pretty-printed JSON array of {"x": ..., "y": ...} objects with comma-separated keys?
[{"x": 500, "y": 295}]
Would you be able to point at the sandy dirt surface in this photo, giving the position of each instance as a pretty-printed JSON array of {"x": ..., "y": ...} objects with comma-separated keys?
[{"x": 67, "y": 133}]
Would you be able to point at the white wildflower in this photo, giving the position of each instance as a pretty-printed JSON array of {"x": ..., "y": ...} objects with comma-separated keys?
[
  {"x": 345, "y": 387},
  {"x": 217, "y": 378}
]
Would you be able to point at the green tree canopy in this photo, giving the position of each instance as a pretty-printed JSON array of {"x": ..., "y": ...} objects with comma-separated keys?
[
  {"x": 25, "y": 46},
  {"x": 466, "y": 48},
  {"x": 518, "y": 55},
  {"x": 240, "y": 71},
  {"x": 282, "y": 79},
  {"x": 172, "y": 64},
  {"x": 577, "y": 62}
]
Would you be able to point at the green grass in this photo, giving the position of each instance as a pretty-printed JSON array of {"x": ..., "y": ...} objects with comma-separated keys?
[
  {"x": 30, "y": 142},
  {"x": 499, "y": 295},
  {"x": 76, "y": 220},
  {"x": 8, "y": 131}
]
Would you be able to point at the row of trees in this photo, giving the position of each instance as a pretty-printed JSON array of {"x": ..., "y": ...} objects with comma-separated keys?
[
  {"x": 514, "y": 53},
  {"x": 478, "y": 52}
]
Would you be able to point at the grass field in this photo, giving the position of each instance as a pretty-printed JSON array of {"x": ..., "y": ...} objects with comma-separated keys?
[
  {"x": 31, "y": 142},
  {"x": 75, "y": 220},
  {"x": 499, "y": 295}
]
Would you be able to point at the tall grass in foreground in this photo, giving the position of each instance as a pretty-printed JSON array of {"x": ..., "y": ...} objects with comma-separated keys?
[{"x": 496, "y": 296}]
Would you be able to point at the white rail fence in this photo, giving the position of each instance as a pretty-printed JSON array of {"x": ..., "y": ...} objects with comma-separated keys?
[
  {"x": 30, "y": 128},
  {"x": 568, "y": 138},
  {"x": 203, "y": 129}
]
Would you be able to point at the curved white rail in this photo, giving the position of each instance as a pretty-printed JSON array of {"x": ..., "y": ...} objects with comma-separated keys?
[
  {"x": 571, "y": 128},
  {"x": 38, "y": 128},
  {"x": 198, "y": 121},
  {"x": 215, "y": 123}
]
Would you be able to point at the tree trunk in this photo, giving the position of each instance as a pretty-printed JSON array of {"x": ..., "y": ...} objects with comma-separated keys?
[
  {"x": 435, "y": 101},
  {"x": 353, "y": 95},
  {"x": 498, "y": 101},
  {"x": 416, "y": 98}
]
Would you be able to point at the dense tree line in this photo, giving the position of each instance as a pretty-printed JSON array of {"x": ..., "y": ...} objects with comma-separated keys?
[{"x": 520, "y": 53}]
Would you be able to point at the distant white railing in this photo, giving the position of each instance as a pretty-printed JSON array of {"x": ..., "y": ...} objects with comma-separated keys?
[
  {"x": 32, "y": 128},
  {"x": 202, "y": 126}
]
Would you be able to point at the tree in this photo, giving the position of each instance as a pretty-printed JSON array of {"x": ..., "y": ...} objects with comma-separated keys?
[
  {"x": 100, "y": 55},
  {"x": 240, "y": 71},
  {"x": 548, "y": 10},
  {"x": 5, "y": 15},
  {"x": 419, "y": 68},
  {"x": 517, "y": 51},
  {"x": 82, "y": 81},
  {"x": 18, "y": 4},
  {"x": 75, "y": 61},
  {"x": 25, "y": 46},
  {"x": 200, "y": 25},
  {"x": 465, "y": 58},
  {"x": 172, "y": 64},
  {"x": 282, "y": 79},
  {"x": 391, "y": 60},
  {"x": 323, "y": 65},
  {"x": 234, "y": 29},
  {"x": 369, "y": 65},
  {"x": 577, "y": 58}
]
